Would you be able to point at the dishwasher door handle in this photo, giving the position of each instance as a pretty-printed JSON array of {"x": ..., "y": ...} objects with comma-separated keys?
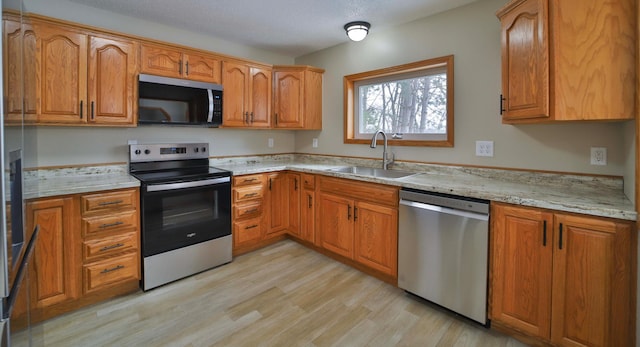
[{"x": 451, "y": 211}]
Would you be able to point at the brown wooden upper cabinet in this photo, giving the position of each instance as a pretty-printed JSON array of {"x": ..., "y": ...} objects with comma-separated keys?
[
  {"x": 297, "y": 99},
  {"x": 568, "y": 60},
  {"x": 246, "y": 96},
  {"x": 179, "y": 63},
  {"x": 71, "y": 76}
]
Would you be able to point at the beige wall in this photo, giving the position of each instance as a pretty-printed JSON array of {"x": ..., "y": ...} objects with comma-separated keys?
[{"x": 472, "y": 34}]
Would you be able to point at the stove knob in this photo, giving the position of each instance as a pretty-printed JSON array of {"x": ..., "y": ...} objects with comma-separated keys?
[
  {"x": 146, "y": 151},
  {"x": 204, "y": 149},
  {"x": 196, "y": 149},
  {"x": 137, "y": 152}
]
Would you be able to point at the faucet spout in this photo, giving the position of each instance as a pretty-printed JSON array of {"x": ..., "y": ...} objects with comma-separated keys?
[{"x": 385, "y": 162}]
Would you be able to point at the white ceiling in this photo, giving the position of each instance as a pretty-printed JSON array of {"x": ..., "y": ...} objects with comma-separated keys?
[{"x": 288, "y": 27}]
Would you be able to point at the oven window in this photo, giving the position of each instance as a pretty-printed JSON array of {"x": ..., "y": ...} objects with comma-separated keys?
[{"x": 174, "y": 219}]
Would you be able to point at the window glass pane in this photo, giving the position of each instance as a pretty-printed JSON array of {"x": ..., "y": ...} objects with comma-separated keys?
[{"x": 405, "y": 106}]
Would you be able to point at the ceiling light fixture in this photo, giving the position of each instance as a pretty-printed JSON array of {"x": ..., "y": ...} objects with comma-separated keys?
[{"x": 357, "y": 31}]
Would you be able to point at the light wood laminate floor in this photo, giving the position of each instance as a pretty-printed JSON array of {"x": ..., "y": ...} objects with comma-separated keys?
[{"x": 282, "y": 295}]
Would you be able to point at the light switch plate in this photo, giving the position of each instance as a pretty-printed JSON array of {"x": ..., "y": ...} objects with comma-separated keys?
[
  {"x": 270, "y": 142},
  {"x": 314, "y": 143}
]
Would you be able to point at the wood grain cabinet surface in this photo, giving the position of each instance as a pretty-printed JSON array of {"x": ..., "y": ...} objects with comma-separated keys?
[
  {"x": 561, "y": 278},
  {"x": 568, "y": 60},
  {"x": 71, "y": 76},
  {"x": 248, "y": 212},
  {"x": 297, "y": 99},
  {"x": 168, "y": 61},
  {"x": 247, "y": 95}
]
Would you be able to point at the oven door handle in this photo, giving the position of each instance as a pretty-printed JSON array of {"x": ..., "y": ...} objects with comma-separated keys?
[{"x": 182, "y": 185}]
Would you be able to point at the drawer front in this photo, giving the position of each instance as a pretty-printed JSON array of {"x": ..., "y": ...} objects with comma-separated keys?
[
  {"x": 94, "y": 249},
  {"x": 115, "y": 222},
  {"x": 246, "y": 180},
  {"x": 308, "y": 181},
  {"x": 376, "y": 193},
  {"x": 125, "y": 199},
  {"x": 247, "y": 193},
  {"x": 110, "y": 272},
  {"x": 247, "y": 231},
  {"x": 247, "y": 209}
]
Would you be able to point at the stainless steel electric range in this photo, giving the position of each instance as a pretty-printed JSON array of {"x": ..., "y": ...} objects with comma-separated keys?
[{"x": 185, "y": 211}]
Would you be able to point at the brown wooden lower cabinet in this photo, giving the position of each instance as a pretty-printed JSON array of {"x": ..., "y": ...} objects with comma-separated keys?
[
  {"x": 562, "y": 278},
  {"x": 83, "y": 254}
]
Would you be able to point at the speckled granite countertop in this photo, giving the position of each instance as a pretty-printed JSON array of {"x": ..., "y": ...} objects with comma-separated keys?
[{"x": 597, "y": 196}]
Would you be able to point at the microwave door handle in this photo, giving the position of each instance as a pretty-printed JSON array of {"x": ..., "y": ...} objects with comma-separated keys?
[{"x": 210, "y": 115}]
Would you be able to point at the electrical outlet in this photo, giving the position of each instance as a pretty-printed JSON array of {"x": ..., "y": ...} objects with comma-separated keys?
[
  {"x": 598, "y": 156},
  {"x": 484, "y": 148},
  {"x": 315, "y": 143},
  {"x": 270, "y": 142}
]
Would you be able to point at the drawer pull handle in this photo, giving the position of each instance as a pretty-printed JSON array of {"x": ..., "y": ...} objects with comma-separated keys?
[
  {"x": 190, "y": 235},
  {"x": 253, "y": 210},
  {"x": 109, "y": 225},
  {"x": 107, "y": 203},
  {"x": 106, "y": 248},
  {"x": 106, "y": 271},
  {"x": 251, "y": 226},
  {"x": 250, "y": 179},
  {"x": 250, "y": 195}
]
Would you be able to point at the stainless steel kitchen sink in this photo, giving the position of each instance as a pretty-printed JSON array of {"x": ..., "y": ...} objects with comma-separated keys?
[{"x": 372, "y": 172}]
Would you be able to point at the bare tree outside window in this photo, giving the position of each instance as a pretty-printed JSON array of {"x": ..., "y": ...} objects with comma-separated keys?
[{"x": 412, "y": 102}]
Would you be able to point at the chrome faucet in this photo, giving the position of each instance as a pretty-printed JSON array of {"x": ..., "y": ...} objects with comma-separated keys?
[{"x": 385, "y": 161}]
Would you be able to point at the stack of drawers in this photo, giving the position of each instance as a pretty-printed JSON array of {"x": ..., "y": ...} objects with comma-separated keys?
[
  {"x": 110, "y": 239},
  {"x": 248, "y": 193}
]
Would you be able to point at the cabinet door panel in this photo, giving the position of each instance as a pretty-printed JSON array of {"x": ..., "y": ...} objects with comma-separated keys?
[
  {"x": 289, "y": 99},
  {"x": 111, "y": 80},
  {"x": 308, "y": 216},
  {"x": 521, "y": 269},
  {"x": 62, "y": 82},
  {"x": 235, "y": 80},
  {"x": 161, "y": 61},
  {"x": 53, "y": 260},
  {"x": 260, "y": 110},
  {"x": 202, "y": 68},
  {"x": 19, "y": 54},
  {"x": 277, "y": 203},
  {"x": 376, "y": 237},
  {"x": 525, "y": 61},
  {"x": 582, "y": 282},
  {"x": 335, "y": 227},
  {"x": 294, "y": 194}
]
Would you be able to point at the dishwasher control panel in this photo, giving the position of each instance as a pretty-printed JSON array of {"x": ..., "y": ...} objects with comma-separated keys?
[{"x": 445, "y": 200}]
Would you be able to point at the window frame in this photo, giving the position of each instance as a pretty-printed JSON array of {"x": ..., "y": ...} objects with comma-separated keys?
[{"x": 349, "y": 93}]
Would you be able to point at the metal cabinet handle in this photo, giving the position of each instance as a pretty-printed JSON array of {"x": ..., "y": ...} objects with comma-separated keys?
[
  {"x": 81, "y": 108},
  {"x": 180, "y": 67},
  {"x": 295, "y": 184},
  {"x": 253, "y": 210},
  {"x": 112, "y": 269},
  {"x": 348, "y": 212},
  {"x": 355, "y": 213},
  {"x": 109, "y": 225},
  {"x": 310, "y": 200},
  {"x": 560, "y": 241},
  {"x": 250, "y": 179},
  {"x": 250, "y": 195},
  {"x": 106, "y": 248},
  {"x": 270, "y": 179},
  {"x": 92, "y": 116},
  {"x": 251, "y": 117},
  {"x": 544, "y": 233},
  {"x": 502, "y": 100},
  {"x": 251, "y": 227},
  {"x": 246, "y": 118},
  {"x": 107, "y": 203},
  {"x": 276, "y": 119},
  {"x": 187, "y": 68}
]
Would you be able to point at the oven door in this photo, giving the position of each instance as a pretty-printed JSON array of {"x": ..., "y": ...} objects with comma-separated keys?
[{"x": 176, "y": 215}]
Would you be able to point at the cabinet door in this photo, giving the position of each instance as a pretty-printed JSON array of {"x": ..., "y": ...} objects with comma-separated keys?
[
  {"x": 289, "y": 99},
  {"x": 521, "y": 268},
  {"x": 112, "y": 74},
  {"x": 161, "y": 61},
  {"x": 62, "y": 82},
  {"x": 525, "y": 61},
  {"x": 200, "y": 67},
  {"x": 260, "y": 95},
  {"x": 19, "y": 53},
  {"x": 335, "y": 228},
  {"x": 376, "y": 237},
  {"x": 588, "y": 273},
  {"x": 235, "y": 80},
  {"x": 294, "y": 197},
  {"x": 277, "y": 204},
  {"x": 54, "y": 266},
  {"x": 308, "y": 216}
]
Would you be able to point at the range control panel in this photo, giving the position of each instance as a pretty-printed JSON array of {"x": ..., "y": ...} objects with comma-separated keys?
[{"x": 162, "y": 152}]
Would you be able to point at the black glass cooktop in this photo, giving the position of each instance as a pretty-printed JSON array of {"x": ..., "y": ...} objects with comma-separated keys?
[{"x": 180, "y": 175}]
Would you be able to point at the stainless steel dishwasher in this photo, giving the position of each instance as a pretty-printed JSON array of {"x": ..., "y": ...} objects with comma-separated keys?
[{"x": 443, "y": 244}]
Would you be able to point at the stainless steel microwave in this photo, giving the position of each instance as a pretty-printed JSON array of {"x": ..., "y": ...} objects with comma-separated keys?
[{"x": 174, "y": 101}]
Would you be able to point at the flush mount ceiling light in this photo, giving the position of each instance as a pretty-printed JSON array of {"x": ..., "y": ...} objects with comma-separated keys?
[{"x": 357, "y": 31}]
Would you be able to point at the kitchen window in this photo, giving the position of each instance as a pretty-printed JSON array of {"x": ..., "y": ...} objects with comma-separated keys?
[{"x": 412, "y": 103}]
